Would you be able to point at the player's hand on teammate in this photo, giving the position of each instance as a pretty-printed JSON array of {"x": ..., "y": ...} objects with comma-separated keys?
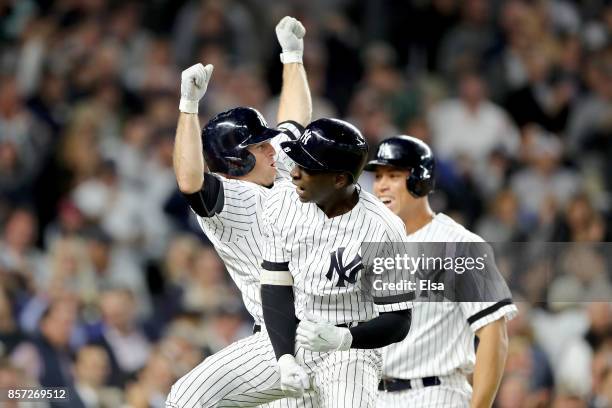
[
  {"x": 323, "y": 337},
  {"x": 294, "y": 379},
  {"x": 194, "y": 81},
  {"x": 290, "y": 33}
]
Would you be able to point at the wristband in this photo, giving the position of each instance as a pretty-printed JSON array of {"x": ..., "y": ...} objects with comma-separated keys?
[
  {"x": 291, "y": 57},
  {"x": 187, "y": 106}
]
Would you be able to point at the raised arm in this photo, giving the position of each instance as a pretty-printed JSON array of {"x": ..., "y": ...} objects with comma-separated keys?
[
  {"x": 295, "y": 101},
  {"x": 188, "y": 158}
]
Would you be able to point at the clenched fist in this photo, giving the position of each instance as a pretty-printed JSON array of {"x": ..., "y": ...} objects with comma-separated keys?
[
  {"x": 194, "y": 81},
  {"x": 323, "y": 337},
  {"x": 294, "y": 379},
  {"x": 290, "y": 33}
]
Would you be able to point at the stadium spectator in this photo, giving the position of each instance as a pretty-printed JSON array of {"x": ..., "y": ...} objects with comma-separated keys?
[
  {"x": 121, "y": 336},
  {"x": 91, "y": 371},
  {"x": 48, "y": 355}
]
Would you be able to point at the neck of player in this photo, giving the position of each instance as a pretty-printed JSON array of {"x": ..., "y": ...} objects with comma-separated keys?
[
  {"x": 417, "y": 216},
  {"x": 340, "y": 203}
]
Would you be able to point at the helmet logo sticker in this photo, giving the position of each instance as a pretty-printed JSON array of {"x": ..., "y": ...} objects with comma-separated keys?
[
  {"x": 385, "y": 150},
  {"x": 306, "y": 136}
]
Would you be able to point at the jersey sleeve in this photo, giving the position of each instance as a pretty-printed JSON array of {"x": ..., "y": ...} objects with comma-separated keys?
[
  {"x": 393, "y": 291},
  {"x": 479, "y": 314},
  {"x": 209, "y": 200},
  {"x": 235, "y": 210},
  {"x": 290, "y": 131},
  {"x": 482, "y": 293}
]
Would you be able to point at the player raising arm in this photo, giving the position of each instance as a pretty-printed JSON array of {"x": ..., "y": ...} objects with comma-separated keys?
[
  {"x": 429, "y": 368},
  {"x": 225, "y": 173},
  {"x": 315, "y": 231}
]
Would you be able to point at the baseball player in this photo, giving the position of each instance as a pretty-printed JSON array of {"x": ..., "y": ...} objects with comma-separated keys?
[
  {"x": 429, "y": 367},
  {"x": 313, "y": 271},
  {"x": 238, "y": 149}
]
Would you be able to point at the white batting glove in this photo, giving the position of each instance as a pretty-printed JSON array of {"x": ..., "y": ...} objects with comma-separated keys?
[
  {"x": 194, "y": 81},
  {"x": 323, "y": 337},
  {"x": 290, "y": 33},
  {"x": 294, "y": 379}
]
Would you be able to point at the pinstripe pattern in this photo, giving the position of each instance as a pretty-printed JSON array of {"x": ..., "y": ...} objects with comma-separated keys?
[
  {"x": 310, "y": 399},
  {"x": 348, "y": 379},
  {"x": 236, "y": 231},
  {"x": 440, "y": 341},
  {"x": 244, "y": 373},
  {"x": 301, "y": 234}
]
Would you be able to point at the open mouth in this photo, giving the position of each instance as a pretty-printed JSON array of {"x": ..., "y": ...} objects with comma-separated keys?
[{"x": 386, "y": 201}]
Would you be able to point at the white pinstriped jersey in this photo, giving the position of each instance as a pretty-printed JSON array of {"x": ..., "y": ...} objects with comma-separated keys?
[
  {"x": 236, "y": 232},
  {"x": 324, "y": 255},
  {"x": 441, "y": 337}
]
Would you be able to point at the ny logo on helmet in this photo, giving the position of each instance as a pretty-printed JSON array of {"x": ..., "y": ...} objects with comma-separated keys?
[
  {"x": 346, "y": 273},
  {"x": 306, "y": 136},
  {"x": 385, "y": 151}
]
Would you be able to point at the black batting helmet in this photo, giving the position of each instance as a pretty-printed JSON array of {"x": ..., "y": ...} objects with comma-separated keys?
[
  {"x": 329, "y": 145},
  {"x": 410, "y": 153},
  {"x": 226, "y": 137}
]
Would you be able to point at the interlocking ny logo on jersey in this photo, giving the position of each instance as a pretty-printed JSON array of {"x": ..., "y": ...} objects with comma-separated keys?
[{"x": 346, "y": 273}]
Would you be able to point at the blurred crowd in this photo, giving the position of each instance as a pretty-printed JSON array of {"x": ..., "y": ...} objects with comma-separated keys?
[{"x": 108, "y": 287}]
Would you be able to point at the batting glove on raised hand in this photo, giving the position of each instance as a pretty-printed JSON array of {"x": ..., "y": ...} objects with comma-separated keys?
[
  {"x": 323, "y": 337},
  {"x": 290, "y": 33},
  {"x": 194, "y": 81},
  {"x": 294, "y": 379}
]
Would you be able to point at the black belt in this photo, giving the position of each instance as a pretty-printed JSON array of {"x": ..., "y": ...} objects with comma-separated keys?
[
  {"x": 257, "y": 327},
  {"x": 398, "y": 384}
]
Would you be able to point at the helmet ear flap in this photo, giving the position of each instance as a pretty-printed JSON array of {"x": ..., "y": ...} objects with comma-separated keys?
[
  {"x": 241, "y": 163},
  {"x": 420, "y": 182}
]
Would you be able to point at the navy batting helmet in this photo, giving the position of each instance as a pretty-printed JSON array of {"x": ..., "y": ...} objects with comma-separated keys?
[
  {"x": 410, "y": 153},
  {"x": 329, "y": 145},
  {"x": 226, "y": 137}
]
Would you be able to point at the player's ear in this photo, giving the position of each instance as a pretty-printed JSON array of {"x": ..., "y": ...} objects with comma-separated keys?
[{"x": 342, "y": 180}]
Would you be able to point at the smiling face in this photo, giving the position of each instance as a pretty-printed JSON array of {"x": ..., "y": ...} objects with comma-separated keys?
[
  {"x": 390, "y": 188},
  {"x": 317, "y": 186},
  {"x": 264, "y": 171}
]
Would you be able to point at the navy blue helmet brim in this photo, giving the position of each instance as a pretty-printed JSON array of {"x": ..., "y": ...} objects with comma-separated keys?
[
  {"x": 266, "y": 135},
  {"x": 373, "y": 164}
]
